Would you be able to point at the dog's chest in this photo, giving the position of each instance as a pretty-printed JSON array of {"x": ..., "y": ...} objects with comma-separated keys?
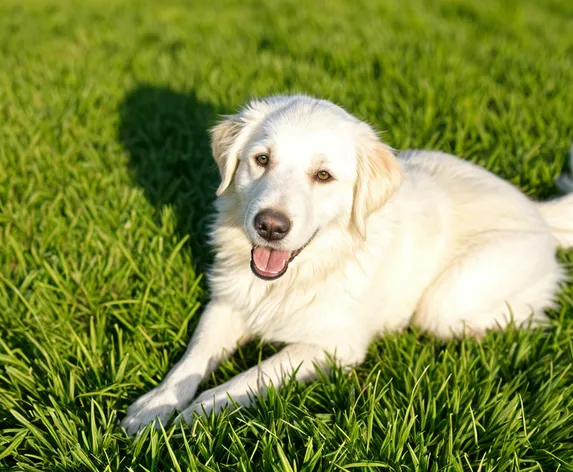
[{"x": 290, "y": 311}]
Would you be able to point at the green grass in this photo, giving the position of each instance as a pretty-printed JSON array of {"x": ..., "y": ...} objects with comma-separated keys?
[{"x": 106, "y": 183}]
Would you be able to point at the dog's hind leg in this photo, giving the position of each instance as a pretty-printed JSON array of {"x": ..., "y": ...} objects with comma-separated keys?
[{"x": 502, "y": 277}]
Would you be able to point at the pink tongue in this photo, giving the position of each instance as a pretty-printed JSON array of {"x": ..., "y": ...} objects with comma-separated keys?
[{"x": 270, "y": 261}]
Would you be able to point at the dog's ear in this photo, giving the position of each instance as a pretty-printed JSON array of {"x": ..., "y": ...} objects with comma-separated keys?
[
  {"x": 378, "y": 178},
  {"x": 225, "y": 148}
]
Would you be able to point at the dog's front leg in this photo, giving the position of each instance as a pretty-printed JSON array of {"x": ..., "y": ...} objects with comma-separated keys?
[
  {"x": 295, "y": 358},
  {"x": 218, "y": 332}
]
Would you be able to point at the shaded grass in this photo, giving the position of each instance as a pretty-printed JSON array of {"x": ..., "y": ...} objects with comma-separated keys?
[{"x": 106, "y": 185}]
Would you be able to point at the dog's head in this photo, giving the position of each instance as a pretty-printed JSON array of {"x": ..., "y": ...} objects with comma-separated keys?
[{"x": 298, "y": 165}]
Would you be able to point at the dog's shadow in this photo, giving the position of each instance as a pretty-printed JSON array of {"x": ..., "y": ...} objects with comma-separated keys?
[{"x": 166, "y": 136}]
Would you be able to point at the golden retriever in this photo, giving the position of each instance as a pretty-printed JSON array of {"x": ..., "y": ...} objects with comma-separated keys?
[{"x": 325, "y": 239}]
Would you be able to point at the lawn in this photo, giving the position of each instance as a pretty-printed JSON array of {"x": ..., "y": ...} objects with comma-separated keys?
[{"x": 106, "y": 183}]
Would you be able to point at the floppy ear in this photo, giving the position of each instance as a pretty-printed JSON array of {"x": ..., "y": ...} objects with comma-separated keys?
[
  {"x": 378, "y": 178},
  {"x": 225, "y": 148}
]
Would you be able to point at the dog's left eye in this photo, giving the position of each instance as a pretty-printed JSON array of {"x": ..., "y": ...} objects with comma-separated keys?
[
  {"x": 262, "y": 160},
  {"x": 323, "y": 176}
]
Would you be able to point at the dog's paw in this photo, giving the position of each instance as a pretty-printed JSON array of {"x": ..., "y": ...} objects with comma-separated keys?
[
  {"x": 211, "y": 400},
  {"x": 202, "y": 406},
  {"x": 157, "y": 404},
  {"x": 187, "y": 416}
]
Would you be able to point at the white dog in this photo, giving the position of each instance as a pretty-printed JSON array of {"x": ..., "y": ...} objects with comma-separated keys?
[{"x": 325, "y": 240}]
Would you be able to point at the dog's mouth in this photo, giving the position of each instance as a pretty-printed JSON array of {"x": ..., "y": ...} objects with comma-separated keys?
[{"x": 270, "y": 264}]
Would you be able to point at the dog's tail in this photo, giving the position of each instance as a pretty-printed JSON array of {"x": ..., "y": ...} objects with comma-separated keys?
[{"x": 559, "y": 212}]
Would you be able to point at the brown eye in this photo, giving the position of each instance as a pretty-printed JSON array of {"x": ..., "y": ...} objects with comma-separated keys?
[
  {"x": 262, "y": 160},
  {"x": 323, "y": 176}
]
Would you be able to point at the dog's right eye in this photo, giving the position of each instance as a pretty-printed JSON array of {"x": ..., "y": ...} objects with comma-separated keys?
[{"x": 262, "y": 160}]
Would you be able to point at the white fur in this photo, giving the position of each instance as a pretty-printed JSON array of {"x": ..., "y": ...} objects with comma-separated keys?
[{"x": 425, "y": 239}]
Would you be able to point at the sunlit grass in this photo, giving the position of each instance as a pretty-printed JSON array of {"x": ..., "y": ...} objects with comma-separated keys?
[{"x": 106, "y": 185}]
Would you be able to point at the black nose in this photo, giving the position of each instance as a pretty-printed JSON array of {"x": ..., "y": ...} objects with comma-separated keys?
[{"x": 272, "y": 225}]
